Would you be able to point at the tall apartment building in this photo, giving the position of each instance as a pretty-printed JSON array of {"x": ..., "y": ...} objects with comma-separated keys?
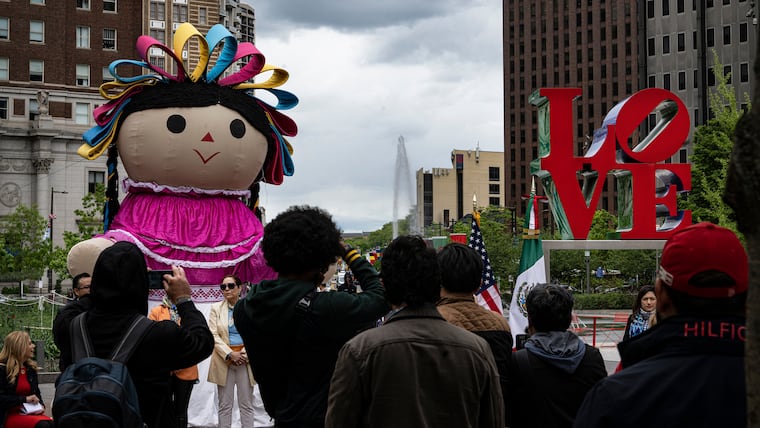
[
  {"x": 445, "y": 195},
  {"x": 588, "y": 44},
  {"x": 680, "y": 38},
  {"x": 54, "y": 54}
]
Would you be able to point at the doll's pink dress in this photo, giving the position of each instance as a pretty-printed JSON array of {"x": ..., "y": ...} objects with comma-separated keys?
[{"x": 210, "y": 233}]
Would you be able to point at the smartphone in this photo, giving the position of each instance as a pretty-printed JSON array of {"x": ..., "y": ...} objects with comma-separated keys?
[
  {"x": 521, "y": 339},
  {"x": 156, "y": 279}
]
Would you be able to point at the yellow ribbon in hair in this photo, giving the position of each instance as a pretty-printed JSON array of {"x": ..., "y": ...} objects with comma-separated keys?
[
  {"x": 90, "y": 153},
  {"x": 184, "y": 33},
  {"x": 278, "y": 78}
]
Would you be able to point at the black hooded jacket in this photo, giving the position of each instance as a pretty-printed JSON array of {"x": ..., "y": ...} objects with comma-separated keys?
[{"x": 119, "y": 291}]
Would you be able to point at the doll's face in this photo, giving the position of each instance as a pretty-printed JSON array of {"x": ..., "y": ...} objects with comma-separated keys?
[{"x": 204, "y": 147}]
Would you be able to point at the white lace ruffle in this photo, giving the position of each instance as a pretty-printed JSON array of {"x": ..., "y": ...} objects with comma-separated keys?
[{"x": 128, "y": 183}]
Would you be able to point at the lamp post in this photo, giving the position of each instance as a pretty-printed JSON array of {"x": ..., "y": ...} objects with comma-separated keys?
[
  {"x": 587, "y": 257},
  {"x": 51, "y": 218}
]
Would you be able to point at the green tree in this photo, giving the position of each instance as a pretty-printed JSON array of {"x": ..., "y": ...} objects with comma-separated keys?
[
  {"x": 24, "y": 241},
  {"x": 89, "y": 220},
  {"x": 713, "y": 143}
]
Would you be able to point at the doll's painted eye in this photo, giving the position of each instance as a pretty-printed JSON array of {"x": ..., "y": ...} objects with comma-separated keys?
[
  {"x": 237, "y": 128},
  {"x": 176, "y": 123}
]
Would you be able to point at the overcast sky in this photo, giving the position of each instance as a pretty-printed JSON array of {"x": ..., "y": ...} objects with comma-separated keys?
[{"x": 369, "y": 71}]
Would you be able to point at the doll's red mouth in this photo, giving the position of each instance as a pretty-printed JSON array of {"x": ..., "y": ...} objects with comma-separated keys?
[{"x": 203, "y": 159}]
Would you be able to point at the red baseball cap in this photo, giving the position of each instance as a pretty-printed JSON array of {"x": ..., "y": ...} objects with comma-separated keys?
[{"x": 699, "y": 248}]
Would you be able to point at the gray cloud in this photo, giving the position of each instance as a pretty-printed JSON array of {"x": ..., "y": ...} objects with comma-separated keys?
[{"x": 348, "y": 15}]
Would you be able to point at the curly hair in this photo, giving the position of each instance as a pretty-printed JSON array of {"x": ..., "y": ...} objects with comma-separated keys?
[
  {"x": 410, "y": 272},
  {"x": 301, "y": 240},
  {"x": 461, "y": 268}
]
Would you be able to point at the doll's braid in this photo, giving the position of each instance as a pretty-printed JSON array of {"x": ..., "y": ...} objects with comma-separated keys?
[{"x": 112, "y": 190}]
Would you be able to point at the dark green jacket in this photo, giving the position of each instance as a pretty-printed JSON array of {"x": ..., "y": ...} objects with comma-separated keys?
[{"x": 293, "y": 352}]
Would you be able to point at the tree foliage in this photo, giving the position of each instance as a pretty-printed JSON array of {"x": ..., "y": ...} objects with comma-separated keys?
[
  {"x": 26, "y": 251},
  {"x": 713, "y": 143},
  {"x": 89, "y": 220}
]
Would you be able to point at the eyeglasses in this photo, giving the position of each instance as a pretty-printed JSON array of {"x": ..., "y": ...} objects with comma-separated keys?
[
  {"x": 227, "y": 286},
  {"x": 86, "y": 287}
]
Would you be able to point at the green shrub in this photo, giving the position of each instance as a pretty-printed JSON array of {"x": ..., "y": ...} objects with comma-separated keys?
[{"x": 604, "y": 301}]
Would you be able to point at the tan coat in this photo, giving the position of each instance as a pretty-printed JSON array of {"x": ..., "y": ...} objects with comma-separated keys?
[{"x": 218, "y": 323}]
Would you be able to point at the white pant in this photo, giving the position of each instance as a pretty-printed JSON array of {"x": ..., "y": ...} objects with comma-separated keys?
[{"x": 236, "y": 376}]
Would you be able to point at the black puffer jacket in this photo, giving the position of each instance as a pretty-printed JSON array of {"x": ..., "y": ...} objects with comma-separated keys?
[
  {"x": 120, "y": 290},
  {"x": 683, "y": 372}
]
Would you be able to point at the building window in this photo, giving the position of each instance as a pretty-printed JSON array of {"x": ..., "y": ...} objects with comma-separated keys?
[
  {"x": 744, "y": 72},
  {"x": 107, "y": 76},
  {"x": 680, "y": 6},
  {"x": 493, "y": 173},
  {"x": 725, "y": 2},
  {"x": 710, "y": 37},
  {"x": 202, "y": 15},
  {"x": 34, "y": 109},
  {"x": 710, "y": 77},
  {"x": 494, "y": 202},
  {"x": 726, "y": 34},
  {"x": 3, "y": 108},
  {"x": 682, "y": 156},
  {"x": 83, "y": 37},
  {"x": 727, "y": 71},
  {"x": 157, "y": 11},
  {"x": 37, "y": 2},
  {"x": 696, "y": 116},
  {"x": 36, "y": 70},
  {"x": 83, "y": 75},
  {"x": 94, "y": 178},
  {"x": 109, "y": 38},
  {"x": 681, "y": 42},
  {"x": 179, "y": 12},
  {"x": 665, "y": 7},
  {"x": 681, "y": 80},
  {"x": 5, "y": 28},
  {"x": 4, "y": 68},
  {"x": 650, "y": 9},
  {"x": 652, "y": 83},
  {"x": 83, "y": 4},
  {"x": 159, "y": 35},
  {"x": 82, "y": 114},
  {"x": 710, "y": 3},
  {"x": 665, "y": 44},
  {"x": 694, "y": 39},
  {"x": 666, "y": 81},
  {"x": 109, "y": 5},
  {"x": 696, "y": 78},
  {"x": 650, "y": 46},
  {"x": 742, "y": 32},
  {"x": 493, "y": 189},
  {"x": 37, "y": 31},
  {"x": 157, "y": 61}
]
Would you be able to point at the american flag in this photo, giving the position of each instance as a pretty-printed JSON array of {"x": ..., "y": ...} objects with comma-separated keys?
[{"x": 488, "y": 295}]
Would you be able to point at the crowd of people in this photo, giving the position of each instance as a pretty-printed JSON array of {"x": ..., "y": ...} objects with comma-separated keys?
[{"x": 413, "y": 348}]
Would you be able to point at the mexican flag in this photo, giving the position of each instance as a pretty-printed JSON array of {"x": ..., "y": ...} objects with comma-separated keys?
[{"x": 532, "y": 270}]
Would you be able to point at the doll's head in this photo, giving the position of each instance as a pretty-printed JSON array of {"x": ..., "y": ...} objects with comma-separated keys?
[
  {"x": 197, "y": 135},
  {"x": 195, "y": 129}
]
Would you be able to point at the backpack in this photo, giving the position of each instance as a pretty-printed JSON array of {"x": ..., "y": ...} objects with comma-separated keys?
[{"x": 96, "y": 392}]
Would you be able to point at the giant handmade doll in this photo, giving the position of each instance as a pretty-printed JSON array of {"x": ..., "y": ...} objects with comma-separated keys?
[{"x": 195, "y": 145}]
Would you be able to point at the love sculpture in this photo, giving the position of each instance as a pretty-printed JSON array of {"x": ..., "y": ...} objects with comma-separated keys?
[{"x": 646, "y": 187}]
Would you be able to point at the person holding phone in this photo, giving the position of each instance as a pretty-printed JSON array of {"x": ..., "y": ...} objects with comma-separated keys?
[
  {"x": 18, "y": 383},
  {"x": 229, "y": 367}
]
